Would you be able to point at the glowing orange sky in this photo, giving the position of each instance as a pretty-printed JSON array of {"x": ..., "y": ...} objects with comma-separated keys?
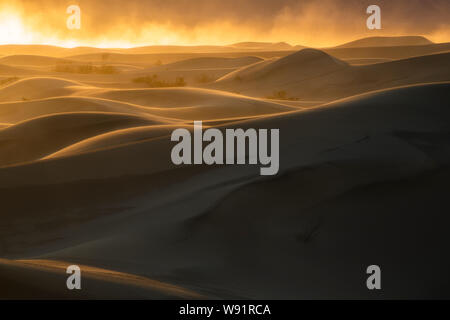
[{"x": 126, "y": 24}]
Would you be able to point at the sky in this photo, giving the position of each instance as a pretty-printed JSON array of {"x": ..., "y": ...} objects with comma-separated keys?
[{"x": 127, "y": 23}]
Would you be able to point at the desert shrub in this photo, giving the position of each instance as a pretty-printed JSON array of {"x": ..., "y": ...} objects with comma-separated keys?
[
  {"x": 204, "y": 78},
  {"x": 154, "y": 82},
  {"x": 106, "y": 70},
  {"x": 158, "y": 63},
  {"x": 281, "y": 95},
  {"x": 105, "y": 56}
]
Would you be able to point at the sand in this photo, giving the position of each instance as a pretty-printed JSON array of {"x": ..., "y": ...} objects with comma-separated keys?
[
  {"x": 313, "y": 75},
  {"x": 86, "y": 176}
]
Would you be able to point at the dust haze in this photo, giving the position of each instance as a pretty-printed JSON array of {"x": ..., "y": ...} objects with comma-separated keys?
[{"x": 181, "y": 22}]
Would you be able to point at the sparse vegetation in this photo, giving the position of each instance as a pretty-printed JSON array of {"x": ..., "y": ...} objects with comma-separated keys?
[
  {"x": 204, "y": 78},
  {"x": 281, "y": 95},
  {"x": 8, "y": 80},
  {"x": 154, "y": 82},
  {"x": 86, "y": 69},
  {"x": 105, "y": 56}
]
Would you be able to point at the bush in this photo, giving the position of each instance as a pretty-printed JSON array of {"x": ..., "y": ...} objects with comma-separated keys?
[
  {"x": 281, "y": 95},
  {"x": 154, "y": 82},
  {"x": 204, "y": 78}
]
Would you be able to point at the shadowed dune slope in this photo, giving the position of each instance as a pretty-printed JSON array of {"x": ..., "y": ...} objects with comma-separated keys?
[
  {"x": 116, "y": 138},
  {"x": 36, "y": 138}
]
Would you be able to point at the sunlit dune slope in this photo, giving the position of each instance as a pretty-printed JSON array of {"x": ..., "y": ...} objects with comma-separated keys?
[
  {"x": 20, "y": 279},
  {"x": 32, "y": 60},
  {"x": 38, "y": 88},
  {"x": 14, "y": 112},
  {"x": 193, "y": 103},
  {"x": 390, "y": 52},
  {"x": 268, "y": 46},
  {"x": 387, "y": 42},
  {"x": 12, "y": 71},
  {"x": 382, "y": 112},
  {"x": 38, "y": 137},
  {"x": 168, "y": 104}
]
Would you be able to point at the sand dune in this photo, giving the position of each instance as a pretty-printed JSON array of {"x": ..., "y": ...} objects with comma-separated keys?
[
  {"x": 165, "y": 105},
  {"x": 115, "y": 139},
  {"x": 400, "y": 96},
  {"x": 32, "y": 60},
  {"x": 11, "y": 71},
  {"x": 51, "y": 51},
  {"x": 311, "y": 74},
  {"x": 37, "y": 88},
  {"x": 268, "y": 46},
  {"x": 192, "y": 103},
  {"x": 393, "y": 52},
  {"x": 301, "y": 65},
  {"x": 20, "y": 280},
  {"x": 33, "y": 139},
  {"x": 319, "y": 167},
  {"x": 387, "y": 42},
  {"x": 212, "y": 62},
  {"x": 366, "y": 61},
  {"x": 14, "y": 112}
]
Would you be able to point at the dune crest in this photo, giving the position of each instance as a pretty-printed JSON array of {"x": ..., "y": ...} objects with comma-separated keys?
[
  {"x": 38, "y": 88},
  {"x": 387, "y": 42}
]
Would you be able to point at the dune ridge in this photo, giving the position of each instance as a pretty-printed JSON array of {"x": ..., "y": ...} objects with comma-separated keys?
[
  {"x": 330, "y": 78},
  {"x": 387, "y": 42}
]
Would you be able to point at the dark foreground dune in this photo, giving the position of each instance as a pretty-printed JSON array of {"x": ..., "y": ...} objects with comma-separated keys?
[{"x": 370, "y": 188}]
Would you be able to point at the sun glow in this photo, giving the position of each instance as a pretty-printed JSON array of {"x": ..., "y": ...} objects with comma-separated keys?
[{"x": 12, "y": 30}]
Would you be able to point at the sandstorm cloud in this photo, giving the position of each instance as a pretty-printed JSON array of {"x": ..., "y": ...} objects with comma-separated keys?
[{"x": 307, "y": 22}]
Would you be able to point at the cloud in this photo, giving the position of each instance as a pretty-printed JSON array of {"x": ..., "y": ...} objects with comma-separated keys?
[{"x": 310, "y": 22}]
